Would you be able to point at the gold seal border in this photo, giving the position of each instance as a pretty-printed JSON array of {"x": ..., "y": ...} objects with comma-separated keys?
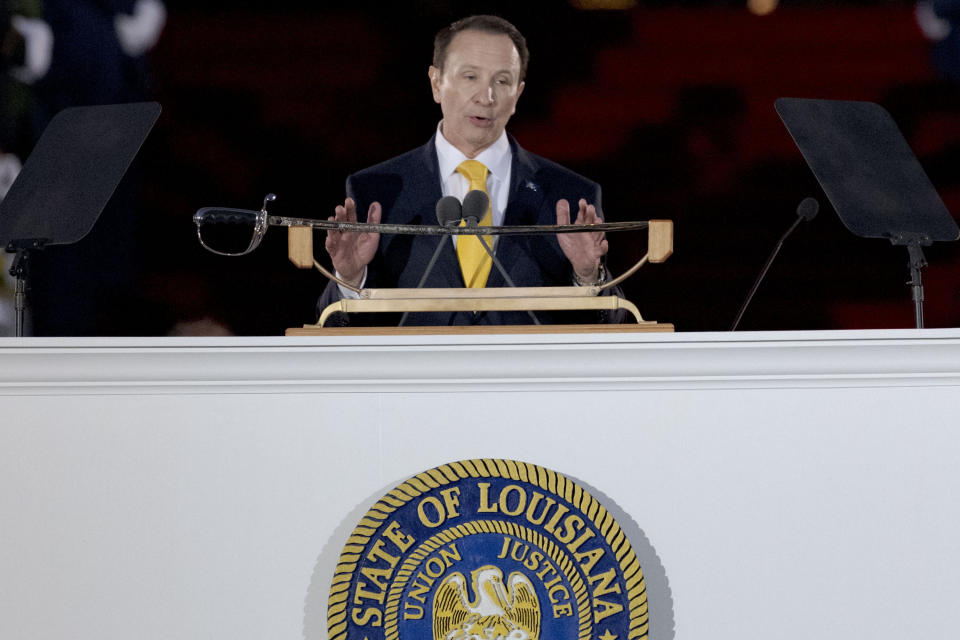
[
  {"x": 550, "y": 549},
  {"x": 530, "y": 473}
]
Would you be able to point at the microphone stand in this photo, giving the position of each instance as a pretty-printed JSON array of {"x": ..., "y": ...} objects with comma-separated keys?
[
  {"x": 471, "y": 222},
  {"x": 477, "y": 203},
  {"x": 427, "y": 271},
  {"x": 914, "y": 243},
  {"x": 20, "y": 269},
  {"x": 803, "y": 213},
  {"x": 503, "y": 272}
]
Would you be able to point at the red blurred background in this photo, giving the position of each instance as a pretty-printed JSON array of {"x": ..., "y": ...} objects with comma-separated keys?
[{"x": 668, "y": 105}]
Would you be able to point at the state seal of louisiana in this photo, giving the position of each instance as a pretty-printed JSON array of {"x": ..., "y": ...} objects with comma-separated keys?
[{"x": 488, "y": 550}]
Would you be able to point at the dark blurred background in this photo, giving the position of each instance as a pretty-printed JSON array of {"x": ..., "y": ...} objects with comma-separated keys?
[{"x": 669, "y": 105}]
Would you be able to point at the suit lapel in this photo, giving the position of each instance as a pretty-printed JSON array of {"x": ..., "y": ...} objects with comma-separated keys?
[
  {"x": 428, "y": 184},
  {"x": 526, "y": 196},
  {"x": 523, "y": 208},
  {"x": 446, "y": 272}
]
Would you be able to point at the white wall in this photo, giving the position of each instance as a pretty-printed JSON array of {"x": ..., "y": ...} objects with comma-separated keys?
[{"x": 780, "y": 485}]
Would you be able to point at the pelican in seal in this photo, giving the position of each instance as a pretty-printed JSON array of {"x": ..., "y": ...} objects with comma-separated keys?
[{"x": 499, "y": 611}]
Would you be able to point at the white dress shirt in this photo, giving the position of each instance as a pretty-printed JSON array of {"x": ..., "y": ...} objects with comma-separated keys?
[{"x": 498, "y": 160}]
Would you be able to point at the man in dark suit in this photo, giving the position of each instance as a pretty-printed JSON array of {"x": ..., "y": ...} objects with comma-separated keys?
[{"x": 477, "y": 77}]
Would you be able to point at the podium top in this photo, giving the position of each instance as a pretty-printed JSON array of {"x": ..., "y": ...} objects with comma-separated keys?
[{"x": 485, "y": 330}]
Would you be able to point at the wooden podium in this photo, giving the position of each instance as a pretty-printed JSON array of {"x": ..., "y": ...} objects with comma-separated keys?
[{"x": 659, "y": 249}]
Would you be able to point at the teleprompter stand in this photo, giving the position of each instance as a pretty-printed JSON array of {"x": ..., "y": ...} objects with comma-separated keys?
[
  {"x": 68, "y": 180},
  {"x": 871, "y": 176}
]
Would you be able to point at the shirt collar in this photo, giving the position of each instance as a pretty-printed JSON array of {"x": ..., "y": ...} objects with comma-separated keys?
[{"x": 496, "y": 157}]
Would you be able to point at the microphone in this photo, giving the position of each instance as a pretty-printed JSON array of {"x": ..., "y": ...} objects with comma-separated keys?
[
  {"x": 475, "y": 205},
  {"x": 808, "y": 208},
  {"x": 448, "y": 212},
  {"x": 448, "y": 215},
  {"x": 806, "y": 211}
]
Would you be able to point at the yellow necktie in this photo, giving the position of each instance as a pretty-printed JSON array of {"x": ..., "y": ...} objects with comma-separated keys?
[{"x": 475, "y": 262}]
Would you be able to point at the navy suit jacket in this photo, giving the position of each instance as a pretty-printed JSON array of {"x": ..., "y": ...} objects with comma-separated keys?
[{"x": 408, "y": 188}]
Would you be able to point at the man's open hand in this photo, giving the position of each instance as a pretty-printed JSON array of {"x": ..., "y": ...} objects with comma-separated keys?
[
  {"x": 583, "y": 250},
  {"x": 352, "y": 251}
]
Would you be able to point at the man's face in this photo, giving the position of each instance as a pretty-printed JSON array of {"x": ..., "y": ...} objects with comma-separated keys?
[{"x": 477, "y": 89}]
